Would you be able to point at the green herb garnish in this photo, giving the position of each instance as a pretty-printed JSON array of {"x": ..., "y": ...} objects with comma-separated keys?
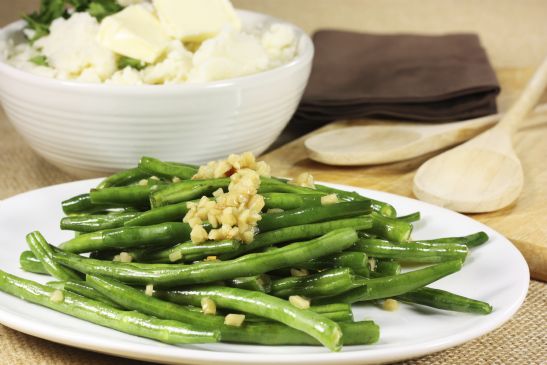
[
  {"x": 124, "y": 62},
  {"x": 40, "y": 20},
  {"x": 40, "y": 60}
]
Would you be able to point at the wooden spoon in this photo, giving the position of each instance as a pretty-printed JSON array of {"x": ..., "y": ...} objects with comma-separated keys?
[
  {"x": 376, "y": 144},
  {"x": 483, "y": 174}
]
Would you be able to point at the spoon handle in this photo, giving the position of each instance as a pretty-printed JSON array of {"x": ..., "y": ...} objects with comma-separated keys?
[{"x": 529, "y": 97}]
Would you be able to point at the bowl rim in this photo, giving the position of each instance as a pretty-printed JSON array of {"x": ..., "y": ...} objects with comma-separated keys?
[{"x": 303, "y": 58}]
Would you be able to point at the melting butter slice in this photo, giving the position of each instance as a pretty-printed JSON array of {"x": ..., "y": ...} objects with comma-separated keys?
[
  {"x": 195, "y": 20},
  {"x": 134, "y": 32}
]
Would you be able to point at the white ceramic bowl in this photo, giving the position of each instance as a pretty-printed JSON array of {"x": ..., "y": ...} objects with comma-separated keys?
[{"x": 93, "y": 129}]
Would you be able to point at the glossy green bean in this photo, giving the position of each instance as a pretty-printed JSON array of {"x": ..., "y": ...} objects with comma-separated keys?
[
  {"x": 280, "y": 187},
  {"x": 261, "y": 283},
  {"x": 356, "y": 261},
  {"x": 138, "y": 195},
  {"x": 412, "y": 251},
  {"x": 390, "y": 228},
  {"x": 169, "y": 275},
  {"x": 391, "y": 286},
  {"x": 442, "y": 299},
  {"x": 96, "y": 222},
  {"x": 288, "y": 201},
  {"x": 323, "y": 284},
  {"x": 472, "y": 240},
  {"x": 387, "y": 267},
  {"x": 309, "y": 215},
  {"x": 168, "y": 213},
  {"x": 166, "y": 169},
  {"x": 305, "y": 231},
  {"x": 324, "y": 330},
  {"x": 84, "y": 289},
  {"x": 43, "y": 252},
  {"x": 189, "y": 251},
  {"x": 123, "y": 178},
  {"x": 131, "y": 322},
  {"x": 260, "y": 332},
  {"x": 30, "y": 263},
  {"x": 410, "y": 218},
  {"x": 187, "y": 190},
  {"x": 127, "y": 237},
  {"x": 383, "y": 208},
  {"x": 83, "y": 204}
]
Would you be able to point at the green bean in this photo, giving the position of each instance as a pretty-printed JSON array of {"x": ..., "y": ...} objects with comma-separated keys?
[
  {"x": 383, "y": 208},
  {"x": 129, "y": 195},
  {"x": 324, "y": 330},
  {"x": 43, "y": 252},
  {"x": 305, "y": 231},
  {"x": 410, "y": 218},
  {"x": 356, "y": 261},
  {"x": 442, "y": 299},
  {"x": 412, "y": 251},
  {"x": 82, "y": 204},
  {"x": 279, "y": 187},
  {"x": 323, "y": 284},
  {"x": 472, "y": 240},
  {"x": 132, "y": 298},
  {"x": 261, "y": 283},
  {"x": 189, "y": 251},
  {"x": 30, "y": 263},
  {"x": 390, "y": 228},
  {"x": 186, "y": 190},
  {"x": 131, "y": 322},
  {"x": 308, "y": 215},
  {"x": 387, "y": 267},
  {"x": 288, "y": 201},
  {"x": 169, "y": 275},
  {"x": 84, "y": 289},
  {"x": 166, "y": 169},
  {"x": 391, "y": 286},
  {"x": 168, "y": 213},
  {"x": 127, "y": 237},
  {"x": 265, "y": 333},
  {"x": 123, "y": 178},
  {"x": 276, "y": 334},
  {"x": 91, "y": 223}
]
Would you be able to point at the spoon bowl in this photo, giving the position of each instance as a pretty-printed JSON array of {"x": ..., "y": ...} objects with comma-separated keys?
[
  {"x": 483, "y": 174},
  {"x": 480, "y": 179}
]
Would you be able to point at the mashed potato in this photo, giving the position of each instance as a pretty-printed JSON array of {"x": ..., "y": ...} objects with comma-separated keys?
[{"x": 71, "y": 52}]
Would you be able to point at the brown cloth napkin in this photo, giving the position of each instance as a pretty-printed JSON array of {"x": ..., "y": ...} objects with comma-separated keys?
[{"x": 420, "y": 77}]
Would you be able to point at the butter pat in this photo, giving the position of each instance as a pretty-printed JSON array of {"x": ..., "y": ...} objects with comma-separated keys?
[
  {"x": 195, "y": 20},
  {"x": 134, "y": 32}
]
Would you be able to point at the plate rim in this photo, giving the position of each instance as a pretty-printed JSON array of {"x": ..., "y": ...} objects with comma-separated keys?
[{"x": 151, "y": 352}]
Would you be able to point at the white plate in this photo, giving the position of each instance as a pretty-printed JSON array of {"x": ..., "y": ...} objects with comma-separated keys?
[{"x": 495, "y": 272}]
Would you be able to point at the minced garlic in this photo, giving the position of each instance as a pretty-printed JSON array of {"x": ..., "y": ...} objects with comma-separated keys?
[
  {"x": 305, "y": 179},
  {"x": 299, "y": 272},
  {"x": 235, "y": 320},
  {"x": 390, "y": 305},
  {"x": 57, "y": 296},
  {"x": 329, "y": 199},
  {"x": 149, "y": 290},
  {"x": 234, "y": 163},
  {"x": 299, "y": 301},
  {"x": 208, "y": 306},
  {"x": 233, "y": 214}
]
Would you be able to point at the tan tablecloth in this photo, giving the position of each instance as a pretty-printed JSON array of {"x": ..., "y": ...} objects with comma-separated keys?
[{"x": 523, "y": 340}]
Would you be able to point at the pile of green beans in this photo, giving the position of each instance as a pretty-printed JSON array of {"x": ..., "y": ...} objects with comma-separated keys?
[{"x": 295, "y": 283}]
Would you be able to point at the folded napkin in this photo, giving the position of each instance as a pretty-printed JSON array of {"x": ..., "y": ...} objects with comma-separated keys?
[{"x": 420, "y": 77}]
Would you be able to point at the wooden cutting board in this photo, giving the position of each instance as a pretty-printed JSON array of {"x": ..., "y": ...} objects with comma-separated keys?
[{"x": 523, "y": 223}]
